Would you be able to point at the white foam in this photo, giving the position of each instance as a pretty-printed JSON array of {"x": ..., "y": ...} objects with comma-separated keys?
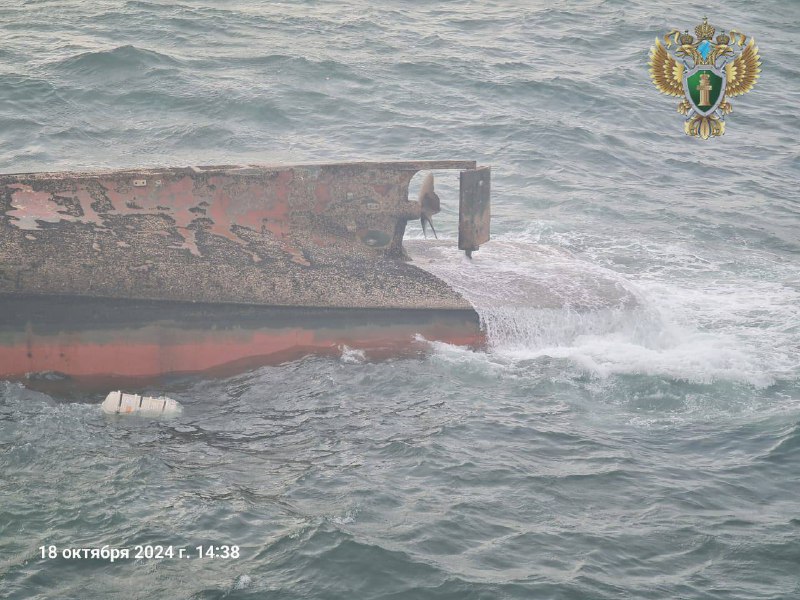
[
  {"x": 538, "y": 301},
  {"x": 242, "y": 582},
  {"x": 351, "y": 355}
]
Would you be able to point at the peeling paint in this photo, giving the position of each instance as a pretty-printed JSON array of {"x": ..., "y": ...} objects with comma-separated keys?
[{"x": 297, "y": 235}]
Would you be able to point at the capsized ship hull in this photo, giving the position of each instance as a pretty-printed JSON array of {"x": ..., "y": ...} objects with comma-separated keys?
[
  {"x": 147, "y": 272},
  {"x": 98, "y": 342}
]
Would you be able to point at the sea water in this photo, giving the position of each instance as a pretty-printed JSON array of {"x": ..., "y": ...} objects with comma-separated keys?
[{"x": 647, "y": 450}]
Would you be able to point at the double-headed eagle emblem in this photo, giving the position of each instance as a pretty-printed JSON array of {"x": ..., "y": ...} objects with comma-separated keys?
[{"x": 705, "y": 73}]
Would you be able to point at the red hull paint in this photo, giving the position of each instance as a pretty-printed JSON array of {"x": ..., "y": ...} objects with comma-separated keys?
[
  {"x": 125, "y": 355},
  {"x": 96, "y": 340}
]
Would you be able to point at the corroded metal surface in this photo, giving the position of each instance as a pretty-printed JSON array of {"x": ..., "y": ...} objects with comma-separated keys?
[
  {"x": 474, "y": 213},
  {"x": 307, "y": 235}
]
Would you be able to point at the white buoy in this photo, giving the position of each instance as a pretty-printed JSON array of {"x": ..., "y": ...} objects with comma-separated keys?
[{"x": 118, "y": 403}]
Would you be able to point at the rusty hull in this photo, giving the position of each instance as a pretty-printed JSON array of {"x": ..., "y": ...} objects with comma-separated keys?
[
  {"x": 474, "y": 209},
  {"x": 324, "y": 237},
  {"x": 313, "y": 235}
]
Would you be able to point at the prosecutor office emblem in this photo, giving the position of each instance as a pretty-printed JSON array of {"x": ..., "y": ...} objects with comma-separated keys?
[{"x": 705, "y": 73}]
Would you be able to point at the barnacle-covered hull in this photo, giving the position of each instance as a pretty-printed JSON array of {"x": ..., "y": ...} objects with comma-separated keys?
[{"x": 282, "y": 260}]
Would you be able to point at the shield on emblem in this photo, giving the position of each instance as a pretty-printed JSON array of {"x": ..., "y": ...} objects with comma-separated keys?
[{"x": 704, "y": 87}]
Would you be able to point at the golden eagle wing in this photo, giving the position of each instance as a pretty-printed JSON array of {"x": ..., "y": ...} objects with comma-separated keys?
[
  {"x": 743, "y": 71},
  {"x": 665, "y": 71}
]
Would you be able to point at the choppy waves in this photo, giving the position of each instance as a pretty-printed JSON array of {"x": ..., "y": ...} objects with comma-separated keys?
[
  {"x": 642, "y": 447},
  {"x": 438, "y": 477}
]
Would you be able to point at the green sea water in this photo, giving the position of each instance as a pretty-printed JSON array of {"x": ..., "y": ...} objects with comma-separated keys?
[{"x": 651, "y": 452}]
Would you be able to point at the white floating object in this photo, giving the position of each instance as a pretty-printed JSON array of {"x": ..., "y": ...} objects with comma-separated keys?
[{"x": 118, "y": 403}]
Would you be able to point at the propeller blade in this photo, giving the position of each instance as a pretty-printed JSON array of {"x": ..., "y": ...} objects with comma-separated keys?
[
  {"x": 429, "y": 204},
  {"x": 425, "y": 219}
]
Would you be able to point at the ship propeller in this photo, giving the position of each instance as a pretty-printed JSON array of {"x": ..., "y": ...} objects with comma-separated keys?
[{"x": 429, "y": 204}]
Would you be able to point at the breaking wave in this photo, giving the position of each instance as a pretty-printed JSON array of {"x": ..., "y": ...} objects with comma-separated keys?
[{"x": 539, "y": 300}]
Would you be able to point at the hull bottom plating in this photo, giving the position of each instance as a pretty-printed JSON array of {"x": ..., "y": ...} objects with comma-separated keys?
[{"x": 55, "y": 340}]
